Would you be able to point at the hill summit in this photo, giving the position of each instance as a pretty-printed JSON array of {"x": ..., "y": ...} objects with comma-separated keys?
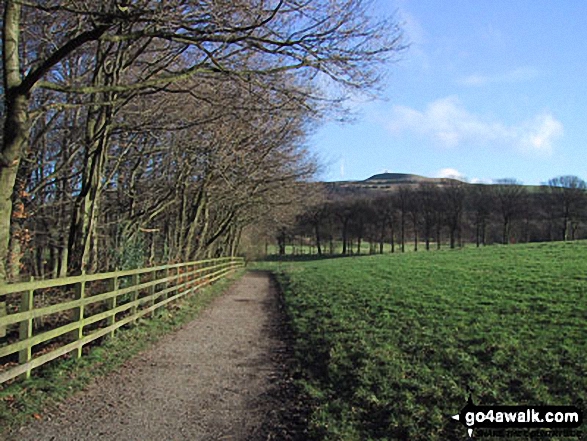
[{"x": 397, "y": 178}]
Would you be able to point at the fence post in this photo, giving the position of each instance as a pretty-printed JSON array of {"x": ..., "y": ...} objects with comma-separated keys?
[
  {"x": 181, "y": 279},
  {"x": 111, "y": 303},
  {"x": 78, "y": 314},
  {"x": 167, "y": 284},
  {"x": 3, "y": 312},
  {"x": 152, "y": 291},
  {"x": 194, "y": 284},
  {"x": 26, "y": 328},
  {"x": 134, "y": 294}
]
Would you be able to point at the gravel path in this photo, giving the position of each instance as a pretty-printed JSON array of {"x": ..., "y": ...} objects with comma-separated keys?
[{"x": 215, "y": 379}]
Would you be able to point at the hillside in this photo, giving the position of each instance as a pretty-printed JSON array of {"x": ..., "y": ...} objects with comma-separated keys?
[
  {"x": 397, "y": 178},
  {"x": 385, "y": 182}
]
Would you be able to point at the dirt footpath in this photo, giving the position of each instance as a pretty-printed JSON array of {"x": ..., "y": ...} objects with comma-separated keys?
[{"x": 220, "y": 377}]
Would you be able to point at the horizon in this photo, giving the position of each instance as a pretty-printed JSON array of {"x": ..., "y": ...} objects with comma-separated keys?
[
  {"x": 474, "y": 96},
  {"x": 462, "y": 179}
]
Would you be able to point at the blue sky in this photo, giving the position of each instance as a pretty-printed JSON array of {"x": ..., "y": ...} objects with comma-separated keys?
[{"x": 487, "y": 90}]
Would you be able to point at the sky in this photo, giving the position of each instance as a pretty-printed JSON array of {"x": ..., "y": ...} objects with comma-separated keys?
[{"x": 487, "y": 89}]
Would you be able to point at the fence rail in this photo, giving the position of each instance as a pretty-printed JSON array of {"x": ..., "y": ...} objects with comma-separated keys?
[{"x": 98, "y": 305}]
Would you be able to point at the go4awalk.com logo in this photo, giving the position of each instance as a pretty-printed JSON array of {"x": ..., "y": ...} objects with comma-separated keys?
[{"x": 518, "y": 417}]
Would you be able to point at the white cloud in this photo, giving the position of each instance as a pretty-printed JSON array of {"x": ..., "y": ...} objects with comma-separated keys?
[
  {"x": 537, "y": 136},
  {"x": 450, "y": 173},
  {"x": 453, "y": 173},
  {"x": 481, "y": 181},
  {"x": 450, "y": 124},
  {"x": 517, "y": 75}
]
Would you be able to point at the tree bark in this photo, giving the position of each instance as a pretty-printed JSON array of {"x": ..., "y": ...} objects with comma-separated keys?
[
  {"x": 318, "y": 244},
  {"x": 402, "y": 233},
  {"x": 15, "y": 124},
  {"x": 344, "y": 237}
]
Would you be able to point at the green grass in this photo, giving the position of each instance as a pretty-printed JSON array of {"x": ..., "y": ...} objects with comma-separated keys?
[
  {"x": 22, "y": 400},
  {"x": 388, "y": 346}
]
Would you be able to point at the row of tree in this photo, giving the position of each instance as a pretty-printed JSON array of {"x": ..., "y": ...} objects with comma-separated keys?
[
  {"x": 449, "y": 213},
  {"x": 137, "y": 131}
]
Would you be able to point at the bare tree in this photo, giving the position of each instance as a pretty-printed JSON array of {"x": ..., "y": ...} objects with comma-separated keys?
[
  {"x": 429, "y": 197},
  {"x": 568, "y": 196},
  {"x": 314, "y": 216},
  {"x": 481, "y": 207},
  {"x": 508, "y": 195},
  {"x": 414, "y": 207},
  {"x": 164, "y": 43},
  {"x": 382, "y": 220},
  {"x": 453, "y": 201},
  {"x": 344, "y": 212},
  {"x": 402, "y": 199}
]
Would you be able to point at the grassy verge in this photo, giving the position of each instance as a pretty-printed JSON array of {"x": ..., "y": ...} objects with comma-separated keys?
[
  {"x": 22, "y": 400},
  {"x": 390, "y": 346}
]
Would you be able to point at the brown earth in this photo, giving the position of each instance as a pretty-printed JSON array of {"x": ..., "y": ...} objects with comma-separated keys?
[{"x": 224, "y": 376}]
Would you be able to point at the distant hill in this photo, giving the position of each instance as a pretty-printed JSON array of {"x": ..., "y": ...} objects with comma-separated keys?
[
  {"x": 398, "y": 178},
  {"x": 384, "y": 182}
]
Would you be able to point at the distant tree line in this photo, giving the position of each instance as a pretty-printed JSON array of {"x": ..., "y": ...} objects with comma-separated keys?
[{"x": 432, "y": 215}]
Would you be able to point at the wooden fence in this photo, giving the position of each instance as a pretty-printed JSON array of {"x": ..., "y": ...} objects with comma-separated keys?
[{"x": 74, "y": 311}]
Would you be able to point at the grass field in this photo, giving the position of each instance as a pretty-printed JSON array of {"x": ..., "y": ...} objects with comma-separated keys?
[{"x": 388, "y": 346}]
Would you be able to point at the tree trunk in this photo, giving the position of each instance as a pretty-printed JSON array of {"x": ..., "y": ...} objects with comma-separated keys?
[
  {"x": 281, "y": 243},
  {"x": 15, "y": 130},
  {"x": 318, "y": 244},
  {"x": 234, "y": 240},
  {"x": 15, "y": 124},
  {"x": 574, "y": 227},
  {"x": 85, "y": 210},
  {"x": 392, "y": 240},
  {"x": 19, "y": 236},
  {"x": 63, "y": 259},
  {"x": 86, "y": 207},
  {"x": 344, "y": 238},
  {"x": 403, "y": 228},
  {"x": 194, "y": 223}
]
